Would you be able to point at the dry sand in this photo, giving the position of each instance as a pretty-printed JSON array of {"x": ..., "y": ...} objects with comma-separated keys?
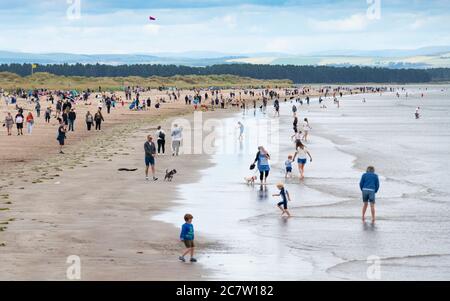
[{"x": 80, "y": 204}]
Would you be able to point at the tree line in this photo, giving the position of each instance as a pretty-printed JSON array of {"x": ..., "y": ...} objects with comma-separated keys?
[{"x": 297, "y": 74}]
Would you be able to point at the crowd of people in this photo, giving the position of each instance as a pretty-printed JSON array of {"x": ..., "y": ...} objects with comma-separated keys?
[
  {"x": 369, "y": 183},
  {"x": 62, "y": 106}
]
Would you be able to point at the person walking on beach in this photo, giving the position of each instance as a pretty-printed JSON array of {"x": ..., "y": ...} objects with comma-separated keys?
[
  {"x": 276, "y": 105},
  {"x": 241, "y": 130},
  {"x": 177, "y": 136},
  {"x": 48, "y": 113},
  {"x": 297, "y": 136},
  {"x": 98, "y": 118},
  {"x": 61, "y": 135},
  {"x": 369, "y": 185},
  {"x": 19, "y": 122},
  {"x": 9, "y": 122},
  {"x": 150, "y": 151},
  {"x": 71, "y": 118},
  {"x": 58, "y": 108},
  {"x": 288, "y": 165},
  {"x": 30, "y": 122},
  {"x": 301, "y": 153},
  {"x": 262, "y": 158},
  {"x": 161, "y": 140},
  {"x": 417, "y": 113},
  {"x": 65, "y": 117},
  {"x": 187, "y": 237},
  {"x": 38, "y": 109},
  {"x": 294, "y": 110},
  {"x": 294, "y": 124},
  {"x": 285, "y": 197},
  {"x": 108, "y": 105},
  {"x": 89, "y": 120},
  {"x": 306, "y": 129}
]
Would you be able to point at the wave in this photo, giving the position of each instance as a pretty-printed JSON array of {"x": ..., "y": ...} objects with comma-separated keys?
[{"x": 384, "y": 259}]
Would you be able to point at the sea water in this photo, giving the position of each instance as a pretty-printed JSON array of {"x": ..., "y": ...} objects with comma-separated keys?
[{"x": 326, "y": 239}]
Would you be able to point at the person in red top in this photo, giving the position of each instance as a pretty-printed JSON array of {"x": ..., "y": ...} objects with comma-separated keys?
[{"x": 30, "y": 122}]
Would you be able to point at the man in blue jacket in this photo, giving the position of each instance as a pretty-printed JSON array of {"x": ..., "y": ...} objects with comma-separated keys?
[{"x": 369, "y": 186}]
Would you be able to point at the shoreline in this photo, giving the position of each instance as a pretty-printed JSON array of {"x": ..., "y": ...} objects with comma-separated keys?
[
  {"x": 95, "y": 156},
  {"x": 26, "y": 235},
  {"x": 325, "y": 239}
]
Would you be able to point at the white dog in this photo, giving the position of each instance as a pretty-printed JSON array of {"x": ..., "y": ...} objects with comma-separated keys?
[{"x": 250, "y": 180}]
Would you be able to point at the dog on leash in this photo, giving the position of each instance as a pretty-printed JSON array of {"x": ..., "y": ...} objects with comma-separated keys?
[
  {"x": 250, "y": 180},
  {"x": 169, "y": 175}
]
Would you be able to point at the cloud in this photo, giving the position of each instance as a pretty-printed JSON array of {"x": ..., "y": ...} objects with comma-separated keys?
[
  {"x": 152, "y": 29},
  {"x": 356, "y": 22},
  {"x": 230, "y": 21},
  {"x": 292, "y": 26},
  {"x": 417, "y": 24}
]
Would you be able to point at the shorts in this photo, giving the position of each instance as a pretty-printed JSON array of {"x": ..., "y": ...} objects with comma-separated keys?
[
  {"x": 301, "y": 161},
  {"x": 284, "y": 203},
  {"x": 60, "y": 140},
  {"x": 262, "y": 168},
  {"x": 368, "y": 196},
  {"x": 189, "y": 243},
  {"x": 288, "y": 169},
  {"x": 19, "y": 125},
  {"x": 149, "y": 161}
]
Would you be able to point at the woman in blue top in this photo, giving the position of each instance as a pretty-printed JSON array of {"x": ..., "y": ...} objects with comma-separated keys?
[{"x": 262, "y": 157}]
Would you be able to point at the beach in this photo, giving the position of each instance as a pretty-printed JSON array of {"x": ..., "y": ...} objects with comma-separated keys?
[
  {"x": 125, "y": 228},
  {"x": 80, "y": 204},
  {"x": 325, "y": 239}
]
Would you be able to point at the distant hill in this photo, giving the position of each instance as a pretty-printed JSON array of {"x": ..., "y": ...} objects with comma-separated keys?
[
  {"x": 421, "y": 58},
  {"x": 7, "y": 57}
]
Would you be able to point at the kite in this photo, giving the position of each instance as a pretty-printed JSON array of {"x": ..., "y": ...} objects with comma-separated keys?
[{"x": 152, "y": 18}]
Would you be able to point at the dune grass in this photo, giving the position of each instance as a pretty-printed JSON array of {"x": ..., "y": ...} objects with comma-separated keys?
[{"x": 11, "y": 81}]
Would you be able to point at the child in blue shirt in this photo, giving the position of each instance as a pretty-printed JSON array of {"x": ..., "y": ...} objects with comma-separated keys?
[
  {"x": 187, "y": 236},
  {"x": 288, "y": 164},
  {"x": 284, "y": 199}
]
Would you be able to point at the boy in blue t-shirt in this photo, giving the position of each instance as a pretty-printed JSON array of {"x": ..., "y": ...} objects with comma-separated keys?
[
  {"x": 288, "y": 164},
  {"x": 285, "y": 198},
  {"x": 187, "y": 236}
]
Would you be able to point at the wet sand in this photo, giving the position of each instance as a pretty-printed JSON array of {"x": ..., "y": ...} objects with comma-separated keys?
[{"x": 326, "y": 239}]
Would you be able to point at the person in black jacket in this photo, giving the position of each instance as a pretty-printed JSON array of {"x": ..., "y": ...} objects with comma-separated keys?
[
  {"x": 108, "y": 105},
  {"x": 65, "y": 117},
  {"x": 71, "y": 118},
  {"x": 98, "y": 118}
]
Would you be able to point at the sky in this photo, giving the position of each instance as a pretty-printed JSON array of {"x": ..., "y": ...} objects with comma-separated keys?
[{"x": 227, "y": 26}]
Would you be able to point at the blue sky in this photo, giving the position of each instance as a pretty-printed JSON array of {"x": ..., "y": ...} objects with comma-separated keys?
[{"x": 290, "y": 26}]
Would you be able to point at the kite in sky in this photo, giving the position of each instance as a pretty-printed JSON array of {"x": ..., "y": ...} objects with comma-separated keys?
[{"x": 152, "y": 18}]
